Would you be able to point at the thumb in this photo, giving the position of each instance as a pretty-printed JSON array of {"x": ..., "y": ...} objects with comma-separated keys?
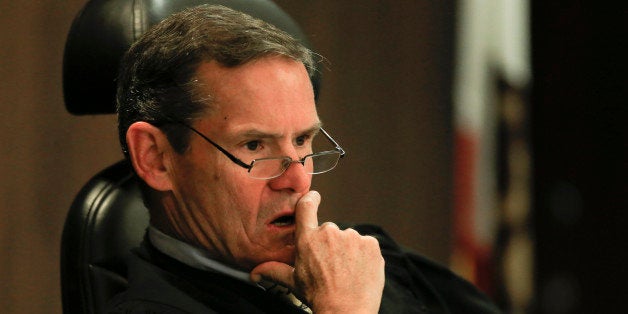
[{"x": 278, "y": 272}]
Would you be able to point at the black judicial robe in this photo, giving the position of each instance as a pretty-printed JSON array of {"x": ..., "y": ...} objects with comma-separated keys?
[{"x": 160, "y": 284}]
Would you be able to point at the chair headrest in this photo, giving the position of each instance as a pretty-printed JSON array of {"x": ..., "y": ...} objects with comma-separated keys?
[{"x": 104, "y": 29}]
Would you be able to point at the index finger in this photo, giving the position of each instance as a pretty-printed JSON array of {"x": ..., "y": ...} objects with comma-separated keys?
[{"x": 306, "y": 212}]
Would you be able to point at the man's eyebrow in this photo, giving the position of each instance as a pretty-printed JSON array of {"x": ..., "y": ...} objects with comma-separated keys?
[
  {"x": 313, "y": 129},
  {"x": 256, "y": 133}
]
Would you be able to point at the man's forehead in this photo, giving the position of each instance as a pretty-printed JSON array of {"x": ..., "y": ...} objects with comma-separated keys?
[
  {"x": 215, "y": 72},
  {"x": 264, "y": 89}
]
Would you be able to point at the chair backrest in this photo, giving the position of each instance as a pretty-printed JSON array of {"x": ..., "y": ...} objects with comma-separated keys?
[
  {"x": 106, "y": 220},
  {"x": 108, "y": 217},
  {"x": 90, "y": 66}
]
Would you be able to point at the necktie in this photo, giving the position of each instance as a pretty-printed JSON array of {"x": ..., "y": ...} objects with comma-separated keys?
[{"x": 284, "y": 293}]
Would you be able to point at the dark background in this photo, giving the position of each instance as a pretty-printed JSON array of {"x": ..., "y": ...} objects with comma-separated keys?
[{"x": 579, "y": 132}]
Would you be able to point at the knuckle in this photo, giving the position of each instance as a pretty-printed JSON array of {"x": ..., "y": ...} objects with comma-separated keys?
[
  {"x": 352, "y": 232},
  {"x": 371, "y": 240},
  {"x": 372, "y": 244},
  {"x": 329, "y": 226}
]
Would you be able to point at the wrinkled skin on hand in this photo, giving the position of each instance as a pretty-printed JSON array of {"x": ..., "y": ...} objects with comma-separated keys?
[{"x": 335, "y": 271}]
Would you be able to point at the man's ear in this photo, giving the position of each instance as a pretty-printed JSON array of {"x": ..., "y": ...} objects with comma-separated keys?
[{"x": 148, "y": 147}]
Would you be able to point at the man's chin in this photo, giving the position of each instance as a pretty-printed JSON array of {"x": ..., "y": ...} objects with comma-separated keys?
[{"x": 285, "y": 255}]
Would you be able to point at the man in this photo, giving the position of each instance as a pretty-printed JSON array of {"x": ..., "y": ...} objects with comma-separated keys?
[{"x": 217, "y": 116}]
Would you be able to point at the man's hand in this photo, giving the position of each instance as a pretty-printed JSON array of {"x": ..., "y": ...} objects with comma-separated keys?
[{"x": 336, "y": 271}]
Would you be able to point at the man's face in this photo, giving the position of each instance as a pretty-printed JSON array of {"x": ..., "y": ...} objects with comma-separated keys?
[{"x": 262, "y": 109}]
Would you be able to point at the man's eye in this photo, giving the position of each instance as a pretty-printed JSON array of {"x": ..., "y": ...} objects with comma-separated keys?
[
  {"x": 300, "y": 141},
  {"x": 252, "y": 145}
]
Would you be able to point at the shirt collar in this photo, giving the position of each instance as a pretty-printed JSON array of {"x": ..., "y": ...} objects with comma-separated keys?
[{"x": 192, "y": 256}]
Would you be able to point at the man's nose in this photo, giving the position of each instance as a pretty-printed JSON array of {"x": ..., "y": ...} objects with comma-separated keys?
[{"x": 296, "y": 178}]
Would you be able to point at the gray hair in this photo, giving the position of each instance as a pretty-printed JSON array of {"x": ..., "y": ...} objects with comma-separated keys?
[{"x": 157, "y": 81}]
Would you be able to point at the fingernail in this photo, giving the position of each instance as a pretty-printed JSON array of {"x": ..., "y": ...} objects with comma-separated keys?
[{"x": 314, "y": 194}]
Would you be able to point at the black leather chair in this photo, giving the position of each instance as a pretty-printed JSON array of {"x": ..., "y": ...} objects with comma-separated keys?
[{"x": 108, "y": 217}]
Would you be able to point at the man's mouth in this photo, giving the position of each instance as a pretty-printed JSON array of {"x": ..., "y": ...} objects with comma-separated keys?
[{"x": 283, "y": 221}]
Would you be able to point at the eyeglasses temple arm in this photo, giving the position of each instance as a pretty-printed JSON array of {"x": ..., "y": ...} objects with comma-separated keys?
[
  {"x": 342, "y": 151},
  {"x": 231, "y": 157}
]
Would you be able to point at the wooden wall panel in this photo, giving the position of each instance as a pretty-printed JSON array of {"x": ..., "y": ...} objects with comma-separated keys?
[{"x": 45, "y": 153}]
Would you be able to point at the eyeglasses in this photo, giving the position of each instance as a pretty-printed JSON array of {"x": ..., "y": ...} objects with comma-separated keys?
[{"x": 269, "y": 168}]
